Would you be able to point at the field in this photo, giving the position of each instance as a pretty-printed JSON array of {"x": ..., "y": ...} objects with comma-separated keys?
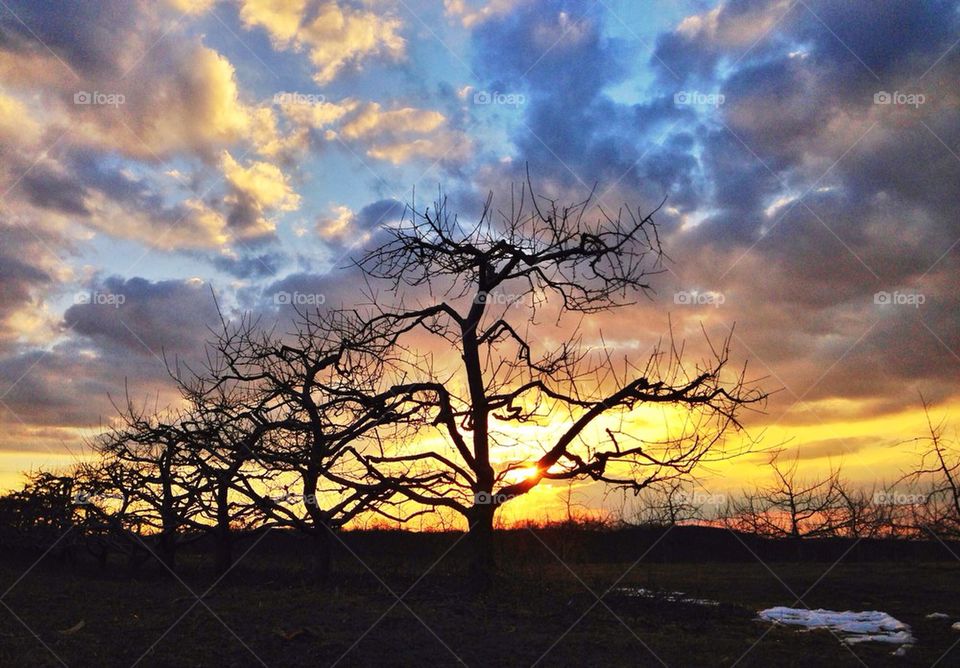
[{"x": 381, "y": 609}]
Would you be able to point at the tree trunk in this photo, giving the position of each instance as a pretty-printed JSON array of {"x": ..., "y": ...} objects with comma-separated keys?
[
  {"x": 167, "y": 549},
  {"x": 321, "y": 556},
  {"x": 224, "y": 541},
  {"x": 480, "y": 543}
]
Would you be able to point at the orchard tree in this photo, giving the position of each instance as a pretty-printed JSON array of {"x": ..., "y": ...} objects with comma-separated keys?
[
  {"x": 935, "y": 506},
  {"x": 463, "y": 300},
  {"x": 296, "y": 411},
  {"x": 791, "y": 505}
]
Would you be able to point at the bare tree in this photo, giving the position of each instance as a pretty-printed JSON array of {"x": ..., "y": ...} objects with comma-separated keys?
[
  {"x": 790, "y": 505},
  {"x": 667, "y": 504},
  {"x": 42, "y": 511},
  {"x": 936, "y": 478},
  {"x": 103, "y": 494},
  {"x": 219, "y": 434},
  {"x": 161, "y": 483},
  {"x": 475, "y": 291},
  {"x": 304, "y": 407}
]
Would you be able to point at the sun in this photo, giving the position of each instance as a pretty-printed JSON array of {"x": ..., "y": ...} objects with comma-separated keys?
[{"x": 520, "y": 474}]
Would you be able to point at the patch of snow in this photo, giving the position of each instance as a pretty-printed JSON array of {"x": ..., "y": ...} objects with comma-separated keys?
[
  {"x": 852, "y": 627},
  {"x": 672, "y": 596},
  {"x": 938, "y": 615}
]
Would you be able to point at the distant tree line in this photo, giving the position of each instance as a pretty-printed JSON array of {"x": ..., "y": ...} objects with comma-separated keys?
[{"x": 922, "y": 504}]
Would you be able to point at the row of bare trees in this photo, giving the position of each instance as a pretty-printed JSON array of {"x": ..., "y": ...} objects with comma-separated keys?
[
  {"x": 461, "y": 382},
  {"x": 923, "y": 503}
]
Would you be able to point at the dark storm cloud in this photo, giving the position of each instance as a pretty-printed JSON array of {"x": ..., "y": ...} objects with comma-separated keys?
[
  {"x": 46, "y": 189},
  {"x": 145, "y": 317},
  {"x": 340, "y": 287},
  {"x": 73, "y": 385}
]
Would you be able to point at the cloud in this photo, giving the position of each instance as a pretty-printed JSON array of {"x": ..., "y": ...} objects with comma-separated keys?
[
  {"x": 404, "y": 134},
  {"x": 346, "y": 229},
  {"x": 833, "y": 448},
  {"x": 798, "y": 197},
  {"x": 192, "y": 7},
  {"x": 250, "y": 265},
  {"x": 122, "y": 77},
  {"x": 397, "y": 135},
  {"x": 734, "y": 24},
  {"x": 556, "y": 55},
  {"x": 334, "y": 34},
  {"x": 154, "y": 209},
  {"x": 187, "y": 101},
  {"x": 256, "y": 190},
  {"x": 28, "y": 270},
  {"x": 125, "y": 89},
  {"x": 263, "y": 181},
  {"x": 145, "y": 317},
  {"x": 373, "y": 120},
  {"x": 113, "y": 339},
  {"x": 471, "y": 14}
]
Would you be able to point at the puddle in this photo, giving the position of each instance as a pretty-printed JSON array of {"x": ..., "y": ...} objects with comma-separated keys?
[{"x": 672, "y": 596}]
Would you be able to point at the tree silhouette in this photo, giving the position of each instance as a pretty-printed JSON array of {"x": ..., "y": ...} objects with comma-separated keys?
[
  {"x": 791, "y": 506},
  {"x": 936, "y": 477},
  {"x": 295, "y": 411},
  {"x": 475, "y": 291}
]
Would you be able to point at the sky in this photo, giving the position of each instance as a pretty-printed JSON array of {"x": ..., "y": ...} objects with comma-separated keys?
[{"x": 157, "y": 152}]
